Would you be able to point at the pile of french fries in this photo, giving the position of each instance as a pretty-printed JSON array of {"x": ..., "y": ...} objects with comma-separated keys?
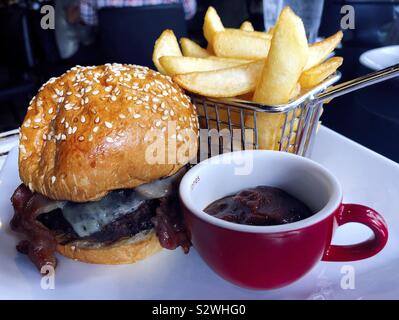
[{"x": 270, "y": 68}]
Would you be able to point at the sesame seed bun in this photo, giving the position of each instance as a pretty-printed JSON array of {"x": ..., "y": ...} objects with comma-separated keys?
[
  {"x": 125, "y": 251},
  {"x": 88, "y": 131}
]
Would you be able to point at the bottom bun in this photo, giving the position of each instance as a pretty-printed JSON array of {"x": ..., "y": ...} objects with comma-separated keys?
[{"x": 125, "y": 251}]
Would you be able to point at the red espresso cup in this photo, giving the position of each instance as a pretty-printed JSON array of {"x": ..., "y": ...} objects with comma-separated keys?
[{"x": 268, "y": 257}]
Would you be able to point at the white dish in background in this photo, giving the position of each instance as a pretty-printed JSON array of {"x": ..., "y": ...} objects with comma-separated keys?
[
  {"x": 366, "y": 177},
  {"x": 380, "y": 58}
]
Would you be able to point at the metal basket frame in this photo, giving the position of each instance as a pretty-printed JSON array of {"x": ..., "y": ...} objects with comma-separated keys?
[{"x": 301, "y": 119}]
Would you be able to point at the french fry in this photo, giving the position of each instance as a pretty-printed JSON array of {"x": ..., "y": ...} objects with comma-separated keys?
[
  {"x": 270, "y": 31},
  {"x": 247, "y": 26},
  {"x": 192, "y": 49},
  {"x": 279, "y": 80},
  {"x": 318, "y": 74},
  {"x": 209, "y": 48},
  {"x": 226, "y": 83},
  {"x": 181, "y": 65},
  {"x": 240, "y": 46},
  {"x": 258, "y": 34},
  {"x": 243, "y": 61},
  {"x": 319, "y": 51},
  {"x": 212, "y": 25},
  {"x": 287, "y": 57},
  {"x": 166, "y": 45},
  {"x": 296, "y": 92}
]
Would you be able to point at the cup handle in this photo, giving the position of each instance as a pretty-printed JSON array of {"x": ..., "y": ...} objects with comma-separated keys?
[{"x": 368, "y": 217}]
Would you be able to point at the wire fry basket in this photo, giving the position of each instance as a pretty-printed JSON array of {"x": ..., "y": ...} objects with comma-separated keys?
[{"x": 233, "y": 124}]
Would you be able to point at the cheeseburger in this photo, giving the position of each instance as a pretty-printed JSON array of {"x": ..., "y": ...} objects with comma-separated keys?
[{"x": 91, "y": 189}]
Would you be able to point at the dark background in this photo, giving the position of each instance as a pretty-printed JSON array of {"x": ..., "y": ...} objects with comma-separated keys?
[{"x": 370, "y": 116}]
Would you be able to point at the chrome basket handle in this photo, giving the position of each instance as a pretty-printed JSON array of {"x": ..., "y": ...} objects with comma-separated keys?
[{"x": 357, "y": 84}]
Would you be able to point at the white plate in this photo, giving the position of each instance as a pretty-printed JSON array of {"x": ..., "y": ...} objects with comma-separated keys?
[
  {"x": 367, "y": 178},
  {"x": 378, "y": 59}
]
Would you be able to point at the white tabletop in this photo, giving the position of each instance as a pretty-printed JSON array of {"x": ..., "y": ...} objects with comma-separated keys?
[{"x": 367, "y": 178}]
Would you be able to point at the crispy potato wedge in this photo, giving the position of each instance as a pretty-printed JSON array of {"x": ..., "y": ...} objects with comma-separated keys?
[
  {"x": 225, "y": 83},
  {"x": 166, "y": 45},
  {"x": 181, "y": 65},
  {"x": 240, "y": 46},
  {"x": 319, "y": 51},
  {"x": 212, "y": 25},
  {"x": 318, "y": 74},
  {"x": 287, "y": 57},
  {"x": 247, "y": 26},
  {"x": 192, "y": 49}
]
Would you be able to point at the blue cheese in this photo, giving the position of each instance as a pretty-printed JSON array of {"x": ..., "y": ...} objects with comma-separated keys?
[{"x": 90, "y": 217}]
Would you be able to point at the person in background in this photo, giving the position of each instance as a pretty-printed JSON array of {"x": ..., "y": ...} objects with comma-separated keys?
[
  {"x": 72, "y": 37},
  {"x": 89, "y": 8}
]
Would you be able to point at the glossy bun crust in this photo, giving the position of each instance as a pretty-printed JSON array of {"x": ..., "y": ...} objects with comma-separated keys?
[
  {"x": 126, "y": 251},
  {"x": 90, "y": 131}
]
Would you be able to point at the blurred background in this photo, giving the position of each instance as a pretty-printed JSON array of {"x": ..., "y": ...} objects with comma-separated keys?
[{"x": 91, "y": 32}]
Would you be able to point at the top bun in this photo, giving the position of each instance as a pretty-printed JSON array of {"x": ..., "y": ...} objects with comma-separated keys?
[{"x": 93, "y": 130}]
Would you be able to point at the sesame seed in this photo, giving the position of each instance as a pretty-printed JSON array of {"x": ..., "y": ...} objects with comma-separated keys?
[
  {"x": 95, "y": 129},
  {"x": 108, "y": 89},
  {"x": 113, "y": 98},
  {"x": 97, "y": 120},
  {"x": 37, "y": 120},
  {"x": 70, "y": 130},
  {"x": 83, "y": 119},
  {"x": 158, "y": 123},
  {"x": 74, "y": 129},
  {"x": 172, "y": 113},
  {"x": 44, "y": 136},
  {"x": 136, "y": 116},
  {"x": 53, "y": 178},
  {"x": 81, "y": 138},
  {"x": 86, "y": 100},
  {"x": 122, "y": 116},
  {"x": 66, "y": 125},
  {"x": 69, "y": 93},
  {"x": 62, "y": 120},
  {"x": 109, "y": 139},
  {"x": 63, "y": 137},
  {"x": 108, "y": 124},
  {"x": 95, "y": 92}
]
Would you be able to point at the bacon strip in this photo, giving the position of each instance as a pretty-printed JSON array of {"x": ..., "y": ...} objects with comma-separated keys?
[
  {"x": 169, "y": 225},
  {"x": 40, "y": 244}
]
